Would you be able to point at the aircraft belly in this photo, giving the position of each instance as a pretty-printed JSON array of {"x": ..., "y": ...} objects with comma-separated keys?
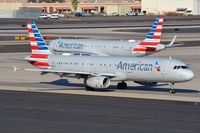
[{"x": 138, "y": 76}]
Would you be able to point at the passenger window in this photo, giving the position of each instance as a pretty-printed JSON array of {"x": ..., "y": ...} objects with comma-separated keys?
[{"x": 178, "y": 67}]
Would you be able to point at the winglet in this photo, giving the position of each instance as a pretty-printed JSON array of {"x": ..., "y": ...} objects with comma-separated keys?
[
  {"x": 15, "y": 68},
  {"x": 172, "y": 42}
]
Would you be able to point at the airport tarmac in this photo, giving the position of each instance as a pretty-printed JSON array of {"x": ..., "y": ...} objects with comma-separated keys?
[
  {"x": 30, "y": 102},
  {"x": 27, "y": 112}
]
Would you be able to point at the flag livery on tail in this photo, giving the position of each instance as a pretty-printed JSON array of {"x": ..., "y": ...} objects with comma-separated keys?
[
  {"x": 40, "y": 51},
  {"x": 152, "y": 39}
]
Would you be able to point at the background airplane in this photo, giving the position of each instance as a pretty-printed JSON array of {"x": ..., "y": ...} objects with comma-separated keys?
[
  {"x": 99, "y": 71},
  {"x": 150, "y": 45}
]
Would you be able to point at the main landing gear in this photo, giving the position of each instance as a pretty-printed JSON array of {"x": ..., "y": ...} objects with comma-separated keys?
[
  {"x": 122, "y": 85},
  {"x": 172, "y": 90}
]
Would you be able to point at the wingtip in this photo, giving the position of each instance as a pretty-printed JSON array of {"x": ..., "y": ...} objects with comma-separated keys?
[{"x": 14, "y": 68}]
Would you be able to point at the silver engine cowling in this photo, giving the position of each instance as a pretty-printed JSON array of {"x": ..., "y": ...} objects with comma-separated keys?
[{"x": 98, "y": 82}]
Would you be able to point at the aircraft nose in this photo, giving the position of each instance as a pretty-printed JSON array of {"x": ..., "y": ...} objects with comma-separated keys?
[{"x": 189, "y": 75}]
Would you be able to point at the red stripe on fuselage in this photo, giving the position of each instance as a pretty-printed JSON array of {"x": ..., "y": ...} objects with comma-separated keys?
[
  {"x": 37, "y": 63},
  {"x": 42, "y": 56},
  {"x": 144, "y": 50}
]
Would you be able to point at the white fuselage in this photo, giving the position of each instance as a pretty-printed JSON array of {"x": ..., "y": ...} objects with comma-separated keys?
[
  {"x": 124, "y": 68},
  {"x": 98, "y": 47}
]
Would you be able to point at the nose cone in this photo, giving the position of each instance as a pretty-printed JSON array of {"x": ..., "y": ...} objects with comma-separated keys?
[{"x": 189, "y": 75}]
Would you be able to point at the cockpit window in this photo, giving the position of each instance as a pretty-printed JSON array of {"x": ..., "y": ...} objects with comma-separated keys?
[
  {"x": 181, "y": 67},
  {"x": 184, "y": 67},
  {"x": 175, "y": 67}
]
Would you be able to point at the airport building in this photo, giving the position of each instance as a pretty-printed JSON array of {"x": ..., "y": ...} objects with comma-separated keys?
[
  {"x": 149, "y": 7},
  {"x": 184, "y": 7},
  {"x": 102, "y": 6}
]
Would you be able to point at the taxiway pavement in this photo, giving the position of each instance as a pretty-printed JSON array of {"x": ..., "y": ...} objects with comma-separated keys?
[
  {"x": 33, "y": 103},
  {"x": 22, "y": 112}
]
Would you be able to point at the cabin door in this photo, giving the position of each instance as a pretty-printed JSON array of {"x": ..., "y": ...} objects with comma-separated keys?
[{"x": 164, "y": 68}]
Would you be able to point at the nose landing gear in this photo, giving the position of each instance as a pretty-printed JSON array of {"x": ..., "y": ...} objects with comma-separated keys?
[{"x": 172, "y": 90}]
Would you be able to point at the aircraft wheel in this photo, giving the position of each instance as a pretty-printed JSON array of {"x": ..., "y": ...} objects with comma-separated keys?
[
  {"x": 172, "y": 90},
  {"x": 122, "y": 85},
  {"x": 89, "y": 88}
]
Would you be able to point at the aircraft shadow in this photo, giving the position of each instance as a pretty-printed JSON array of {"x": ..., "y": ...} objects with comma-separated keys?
[
  {"x": 81, "y": 86},
  {"x": 65, "y": 82},
  {"x": 156, "y": 88}
]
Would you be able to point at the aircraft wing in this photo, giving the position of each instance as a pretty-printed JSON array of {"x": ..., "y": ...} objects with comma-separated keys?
[
  {"x": 83, "y": 53},
  {"x": 55, "y": 71},
  {"x": 44, "y": 71}
]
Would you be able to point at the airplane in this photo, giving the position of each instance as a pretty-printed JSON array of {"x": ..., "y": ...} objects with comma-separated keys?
[
  {"x": 150, "y": 45},
  {"x": 99, "y": 71}
]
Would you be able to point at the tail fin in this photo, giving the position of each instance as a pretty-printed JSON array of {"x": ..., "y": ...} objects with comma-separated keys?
[
  {"x": 40, "y": 50},
  {"x": 38, "y": 45},
  {"x": 153, "y": 37}
]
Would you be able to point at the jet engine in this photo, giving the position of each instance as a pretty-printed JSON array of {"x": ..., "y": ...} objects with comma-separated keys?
[
  {"x": 98, "y": 82},
  {"x": 146, "y": 83}
]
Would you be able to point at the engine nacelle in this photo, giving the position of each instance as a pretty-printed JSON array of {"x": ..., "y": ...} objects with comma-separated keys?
[
  {"x": 98, "y": 82},
  {"x": 146, "y": 83}
]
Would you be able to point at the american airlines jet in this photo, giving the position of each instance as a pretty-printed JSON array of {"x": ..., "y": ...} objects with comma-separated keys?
[
  {"x": 99, "y": 71},
  {"x": 149, "y": 45}
]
